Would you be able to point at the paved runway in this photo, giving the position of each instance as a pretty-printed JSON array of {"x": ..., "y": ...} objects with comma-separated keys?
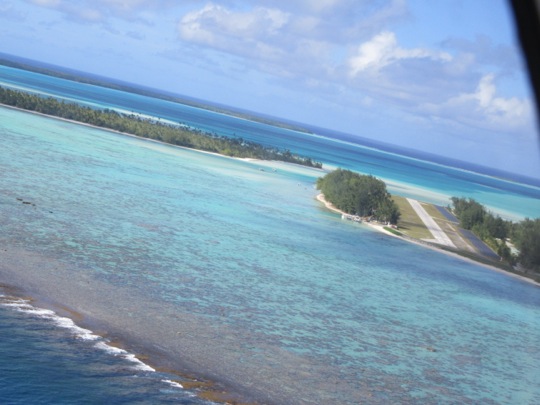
[{"x": 440, "y": 236}]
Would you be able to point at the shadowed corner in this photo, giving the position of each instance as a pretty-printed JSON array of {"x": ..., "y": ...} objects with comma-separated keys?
[{"x": 527, "y": 17}]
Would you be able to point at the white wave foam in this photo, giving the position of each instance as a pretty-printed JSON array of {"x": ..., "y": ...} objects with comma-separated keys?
[
  {"x": 173, "y": 383},
  {"x": 63, "y": 322},
  {"x": 115, "y": 351},
  {"x": 81, "y": 333},
  {"x": 139, "y": 365},
  {"x": 24, "y": 306}
]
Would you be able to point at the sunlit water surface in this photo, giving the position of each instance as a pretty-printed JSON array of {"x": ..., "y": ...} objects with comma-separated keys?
[{"x": 245, "y": 246}]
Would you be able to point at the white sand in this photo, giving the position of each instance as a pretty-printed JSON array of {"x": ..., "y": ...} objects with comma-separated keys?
[{"x": 380, "y": 228}]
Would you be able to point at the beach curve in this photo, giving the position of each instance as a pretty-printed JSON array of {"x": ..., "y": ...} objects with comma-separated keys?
[{"x": 381, "y": 228}]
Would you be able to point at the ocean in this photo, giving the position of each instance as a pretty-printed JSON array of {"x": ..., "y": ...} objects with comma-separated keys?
[
  {"x": 47, "y": 359},
  {"x": 416, "y": 175},
  {"x": 231, "y": 270}
]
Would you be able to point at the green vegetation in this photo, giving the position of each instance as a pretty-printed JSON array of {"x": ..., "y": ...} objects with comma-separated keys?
[
  {"x": 358, "y": 194},
  {"x": 391, "y": 230},
  {"x": 526, "y": 236},
  {"x": 149, "y": 128},
  {"x": 104, "y": 82},
  {"x": 493, "y": 230},
  {"x": 496, "y": 232},
  {"x": 409, "y": 221}
]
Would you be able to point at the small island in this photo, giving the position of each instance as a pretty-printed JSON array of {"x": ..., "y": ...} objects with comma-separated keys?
[
  {"x": 134, "y": 124},
  {"x": 465, "y": 228},
  {"x": 364, "y": 196},
  {"x": 86, "y": 78}
]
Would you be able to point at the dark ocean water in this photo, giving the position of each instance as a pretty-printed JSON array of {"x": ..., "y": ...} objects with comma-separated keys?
[
  {"x": 272, "y": 282},
  {"x": 47, "y": 359}
]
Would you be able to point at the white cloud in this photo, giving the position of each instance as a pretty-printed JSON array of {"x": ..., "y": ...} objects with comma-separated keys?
[
  {"x": 255, "y": 35},
  {"x": 322, "y": 5},
  {"x": 337, "y": 22},
  {"x": 486, "y": 52},
  {"x": 300, "y": 39},
  {"x": 99, "y": 11},
  {"x": 214, "y": 25},
  {"x": 47, "y": 3},
  {"x": 483, "y": 108},
  {"x": 509, "y": 112},
  {"x": 90, "y": 14},
  {"x": 344, "y": 52},
  {"x": 283, "y": 39},
  {"x": 383, "y": 50},
  {"x": 344, "y": 20},
  {"x": 125, "y": 5}
]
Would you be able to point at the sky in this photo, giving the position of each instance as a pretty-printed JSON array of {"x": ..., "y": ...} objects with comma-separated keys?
[{"x": 444, "y": 76}]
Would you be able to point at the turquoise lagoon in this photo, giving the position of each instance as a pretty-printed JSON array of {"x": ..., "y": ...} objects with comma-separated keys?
[
  {"x": 234, "y": 271},
  {"x": 424, "y": 177}
]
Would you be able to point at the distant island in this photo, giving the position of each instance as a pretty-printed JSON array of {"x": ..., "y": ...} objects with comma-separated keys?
[
  {"x": 75, "y": 76},
  {"x": 150, "y": 128}
]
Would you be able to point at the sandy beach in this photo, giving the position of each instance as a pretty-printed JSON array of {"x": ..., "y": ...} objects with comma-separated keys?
[{"x": 380, "y": 228}]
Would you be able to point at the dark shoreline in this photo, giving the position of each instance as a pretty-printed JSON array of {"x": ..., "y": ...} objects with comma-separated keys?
[
  {"x": 201, "y": 382},
  {"x": 221, "y": 363}
]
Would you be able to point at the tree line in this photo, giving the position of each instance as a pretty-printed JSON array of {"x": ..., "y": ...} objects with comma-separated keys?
[
  {"x": 358, "y": 194},
  {"x": 497, "y": 232},
  {"x": 81, "y": 77},
  {"x": 150, "y": 128}
]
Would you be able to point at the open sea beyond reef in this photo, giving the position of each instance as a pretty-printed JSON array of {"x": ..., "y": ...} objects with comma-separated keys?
[{"x": 232, "y": 271}]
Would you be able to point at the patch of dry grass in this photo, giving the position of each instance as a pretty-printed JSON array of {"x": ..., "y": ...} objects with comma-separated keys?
[
  {"x": 434, "y": 212},
  {"x": 410, "y": 223}
]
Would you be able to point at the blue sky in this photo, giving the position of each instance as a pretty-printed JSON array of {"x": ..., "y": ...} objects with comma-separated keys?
[{"x": 441, "y": 76}]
